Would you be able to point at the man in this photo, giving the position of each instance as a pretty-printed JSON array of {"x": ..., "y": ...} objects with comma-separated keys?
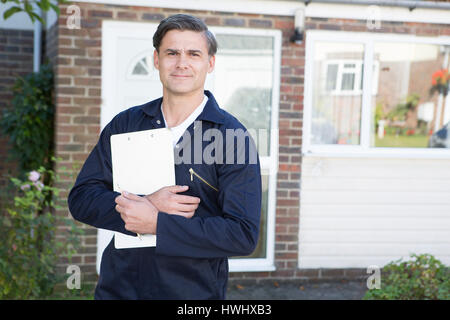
[{"x": 214, "y": 210}]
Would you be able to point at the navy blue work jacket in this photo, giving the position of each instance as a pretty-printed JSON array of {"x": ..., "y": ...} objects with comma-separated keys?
[{"x": 190, "y": 260}]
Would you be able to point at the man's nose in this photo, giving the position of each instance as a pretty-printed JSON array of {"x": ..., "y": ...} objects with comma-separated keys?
[{"x": 182, "y": 61}]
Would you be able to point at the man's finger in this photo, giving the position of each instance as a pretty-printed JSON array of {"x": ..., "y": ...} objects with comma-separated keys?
[
  {"x": 187, "y": 207},
  {"x": 122, "y": 201},
  {"x": 119, "y": 209},
  {"x": 186, "y": 199},
  {"x": 189, "y": 214}
]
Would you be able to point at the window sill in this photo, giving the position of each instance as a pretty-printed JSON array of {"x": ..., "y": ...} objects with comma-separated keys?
[
  {"x": 393, "y": 153},
  {"x": 250, "y": 265}
]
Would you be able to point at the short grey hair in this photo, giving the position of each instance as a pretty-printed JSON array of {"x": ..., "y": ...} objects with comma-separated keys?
[{"x": 184, "y": 22}]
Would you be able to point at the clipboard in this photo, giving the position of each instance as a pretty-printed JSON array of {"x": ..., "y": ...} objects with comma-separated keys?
[{"x": 142, "y": 163}]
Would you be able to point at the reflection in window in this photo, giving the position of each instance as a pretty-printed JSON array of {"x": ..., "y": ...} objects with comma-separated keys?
[
  {"x": 143, "y": 67},
  {"x": 407, "y": 112},
  {"x": 337, "y": 97},
  {"x": 332, "y": 72},
  {"x": 243, "y": 85},
  {"x": 244, "y": 81},
  {"x": 260, "y": 250}
]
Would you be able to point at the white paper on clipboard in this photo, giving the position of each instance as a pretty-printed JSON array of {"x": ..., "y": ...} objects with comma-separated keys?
[{"x": 142, "y": 163}]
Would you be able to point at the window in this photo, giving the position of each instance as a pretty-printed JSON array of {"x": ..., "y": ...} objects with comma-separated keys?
[
  {"x": 337, "y": 99},
  {"x": 406, "y": 112},
  {"x": 374, "y": 93},
  {"x": 245, "y": 82},
  {"x": 142, "y": 68}
]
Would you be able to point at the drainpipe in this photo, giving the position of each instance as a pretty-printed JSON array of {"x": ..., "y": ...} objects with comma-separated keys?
[
  {"x": 37, "y": 42},
  {"x": 410, "y": 4}
]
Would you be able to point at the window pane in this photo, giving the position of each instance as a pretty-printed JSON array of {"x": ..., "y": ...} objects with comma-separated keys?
[
  {"x": 407, "y": 111},
  {"x": 331, "y": 77},
  {"x": 139, "y": 69},
  {"x": 348, "y": 81},
  {"x": 260, "y": 251},
  {"x": 243, "y": 81},
  {"x": 336, "y": 115}
]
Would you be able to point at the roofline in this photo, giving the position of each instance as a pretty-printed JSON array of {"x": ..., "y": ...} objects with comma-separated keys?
[{"x": 410, "y": 4}]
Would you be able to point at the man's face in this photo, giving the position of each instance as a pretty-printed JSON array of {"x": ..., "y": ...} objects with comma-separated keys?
[{"x": 183, "y": 61}]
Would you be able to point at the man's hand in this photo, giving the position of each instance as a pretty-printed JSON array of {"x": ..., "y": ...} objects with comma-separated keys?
[
  {"x": 138, "y": 213},
  {"x": 167, "y": 200}
]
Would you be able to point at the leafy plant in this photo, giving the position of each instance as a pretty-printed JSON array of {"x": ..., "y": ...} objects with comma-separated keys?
[
  {"x": 401, "y": 110},
  {"x": 30, "y": 249},
  {"x": 29, "y": 121},
  {"x": 422, "y": 277},
  {"x": 27, "y": 7}
]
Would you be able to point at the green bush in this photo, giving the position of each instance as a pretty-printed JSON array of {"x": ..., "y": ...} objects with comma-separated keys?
[
  {"x": 29, "y": 121},
  {"x": 421, "y": 278},
  {"x": 30, "y": 250}
]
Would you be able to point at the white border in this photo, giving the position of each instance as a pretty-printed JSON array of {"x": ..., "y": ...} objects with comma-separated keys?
[{"x": 364, "y": 149}]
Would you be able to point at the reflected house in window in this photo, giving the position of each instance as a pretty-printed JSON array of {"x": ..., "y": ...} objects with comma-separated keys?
[
  {"x": 244, "y": 80},
  {"x": 404, "y": 92},
  {"x": 252, "y": 105},
  {"x": 337, "y": 97},
  {"x": 404, "y": 113}
]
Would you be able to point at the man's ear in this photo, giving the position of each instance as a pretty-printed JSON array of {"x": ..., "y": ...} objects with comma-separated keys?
[
  {"x": 212, "y": 63},
  {"x": 156, "y": 60}
]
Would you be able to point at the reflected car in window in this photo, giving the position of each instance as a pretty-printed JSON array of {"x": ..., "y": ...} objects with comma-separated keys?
[{"x": 441, "y": 138}]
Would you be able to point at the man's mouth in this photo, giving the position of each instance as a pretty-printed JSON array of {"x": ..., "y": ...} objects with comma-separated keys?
[{"x": 181, "y": 76}]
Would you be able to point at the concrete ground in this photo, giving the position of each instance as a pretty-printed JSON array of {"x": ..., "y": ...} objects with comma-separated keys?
[{"x": 338, "y": 290}]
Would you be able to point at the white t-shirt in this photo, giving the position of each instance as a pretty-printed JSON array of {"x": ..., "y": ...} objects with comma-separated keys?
[{"x": 178, "y": 131}]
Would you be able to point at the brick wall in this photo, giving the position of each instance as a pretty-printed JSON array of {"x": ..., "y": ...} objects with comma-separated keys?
[
  {"x": 16, "y": 59},
  {"x": 78, "y": 98}
]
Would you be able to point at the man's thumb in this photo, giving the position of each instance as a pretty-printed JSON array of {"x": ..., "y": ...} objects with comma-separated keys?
[{"x": 130, "y": 196}]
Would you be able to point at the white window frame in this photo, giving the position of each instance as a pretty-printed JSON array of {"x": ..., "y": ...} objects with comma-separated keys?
[
  {"x": 363, "y": 149},
  {"x": 269, "y": 164}
]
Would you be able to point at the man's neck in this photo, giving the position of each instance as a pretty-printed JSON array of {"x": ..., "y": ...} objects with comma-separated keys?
[{"x": 177, "y": 108}]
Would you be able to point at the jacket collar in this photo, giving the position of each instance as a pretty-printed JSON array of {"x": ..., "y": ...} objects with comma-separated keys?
[{"x": 211, "y": 112}]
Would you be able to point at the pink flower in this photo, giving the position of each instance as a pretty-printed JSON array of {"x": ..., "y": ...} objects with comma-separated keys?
[
  {"x": 25, "y": 187},
  {"x": 34, "y": 176},
  {"x": 39, "y": 185},
  {"x": 14, "y": 247}
]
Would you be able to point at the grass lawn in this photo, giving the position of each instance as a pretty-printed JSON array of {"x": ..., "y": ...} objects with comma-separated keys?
[{"x": 402, "y": 141}]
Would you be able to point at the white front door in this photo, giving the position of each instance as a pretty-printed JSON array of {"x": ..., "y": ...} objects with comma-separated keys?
[{"x": 128, "y": 79}]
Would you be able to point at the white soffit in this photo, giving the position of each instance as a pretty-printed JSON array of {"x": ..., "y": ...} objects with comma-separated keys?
[{"x": 288, "y": 8}]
